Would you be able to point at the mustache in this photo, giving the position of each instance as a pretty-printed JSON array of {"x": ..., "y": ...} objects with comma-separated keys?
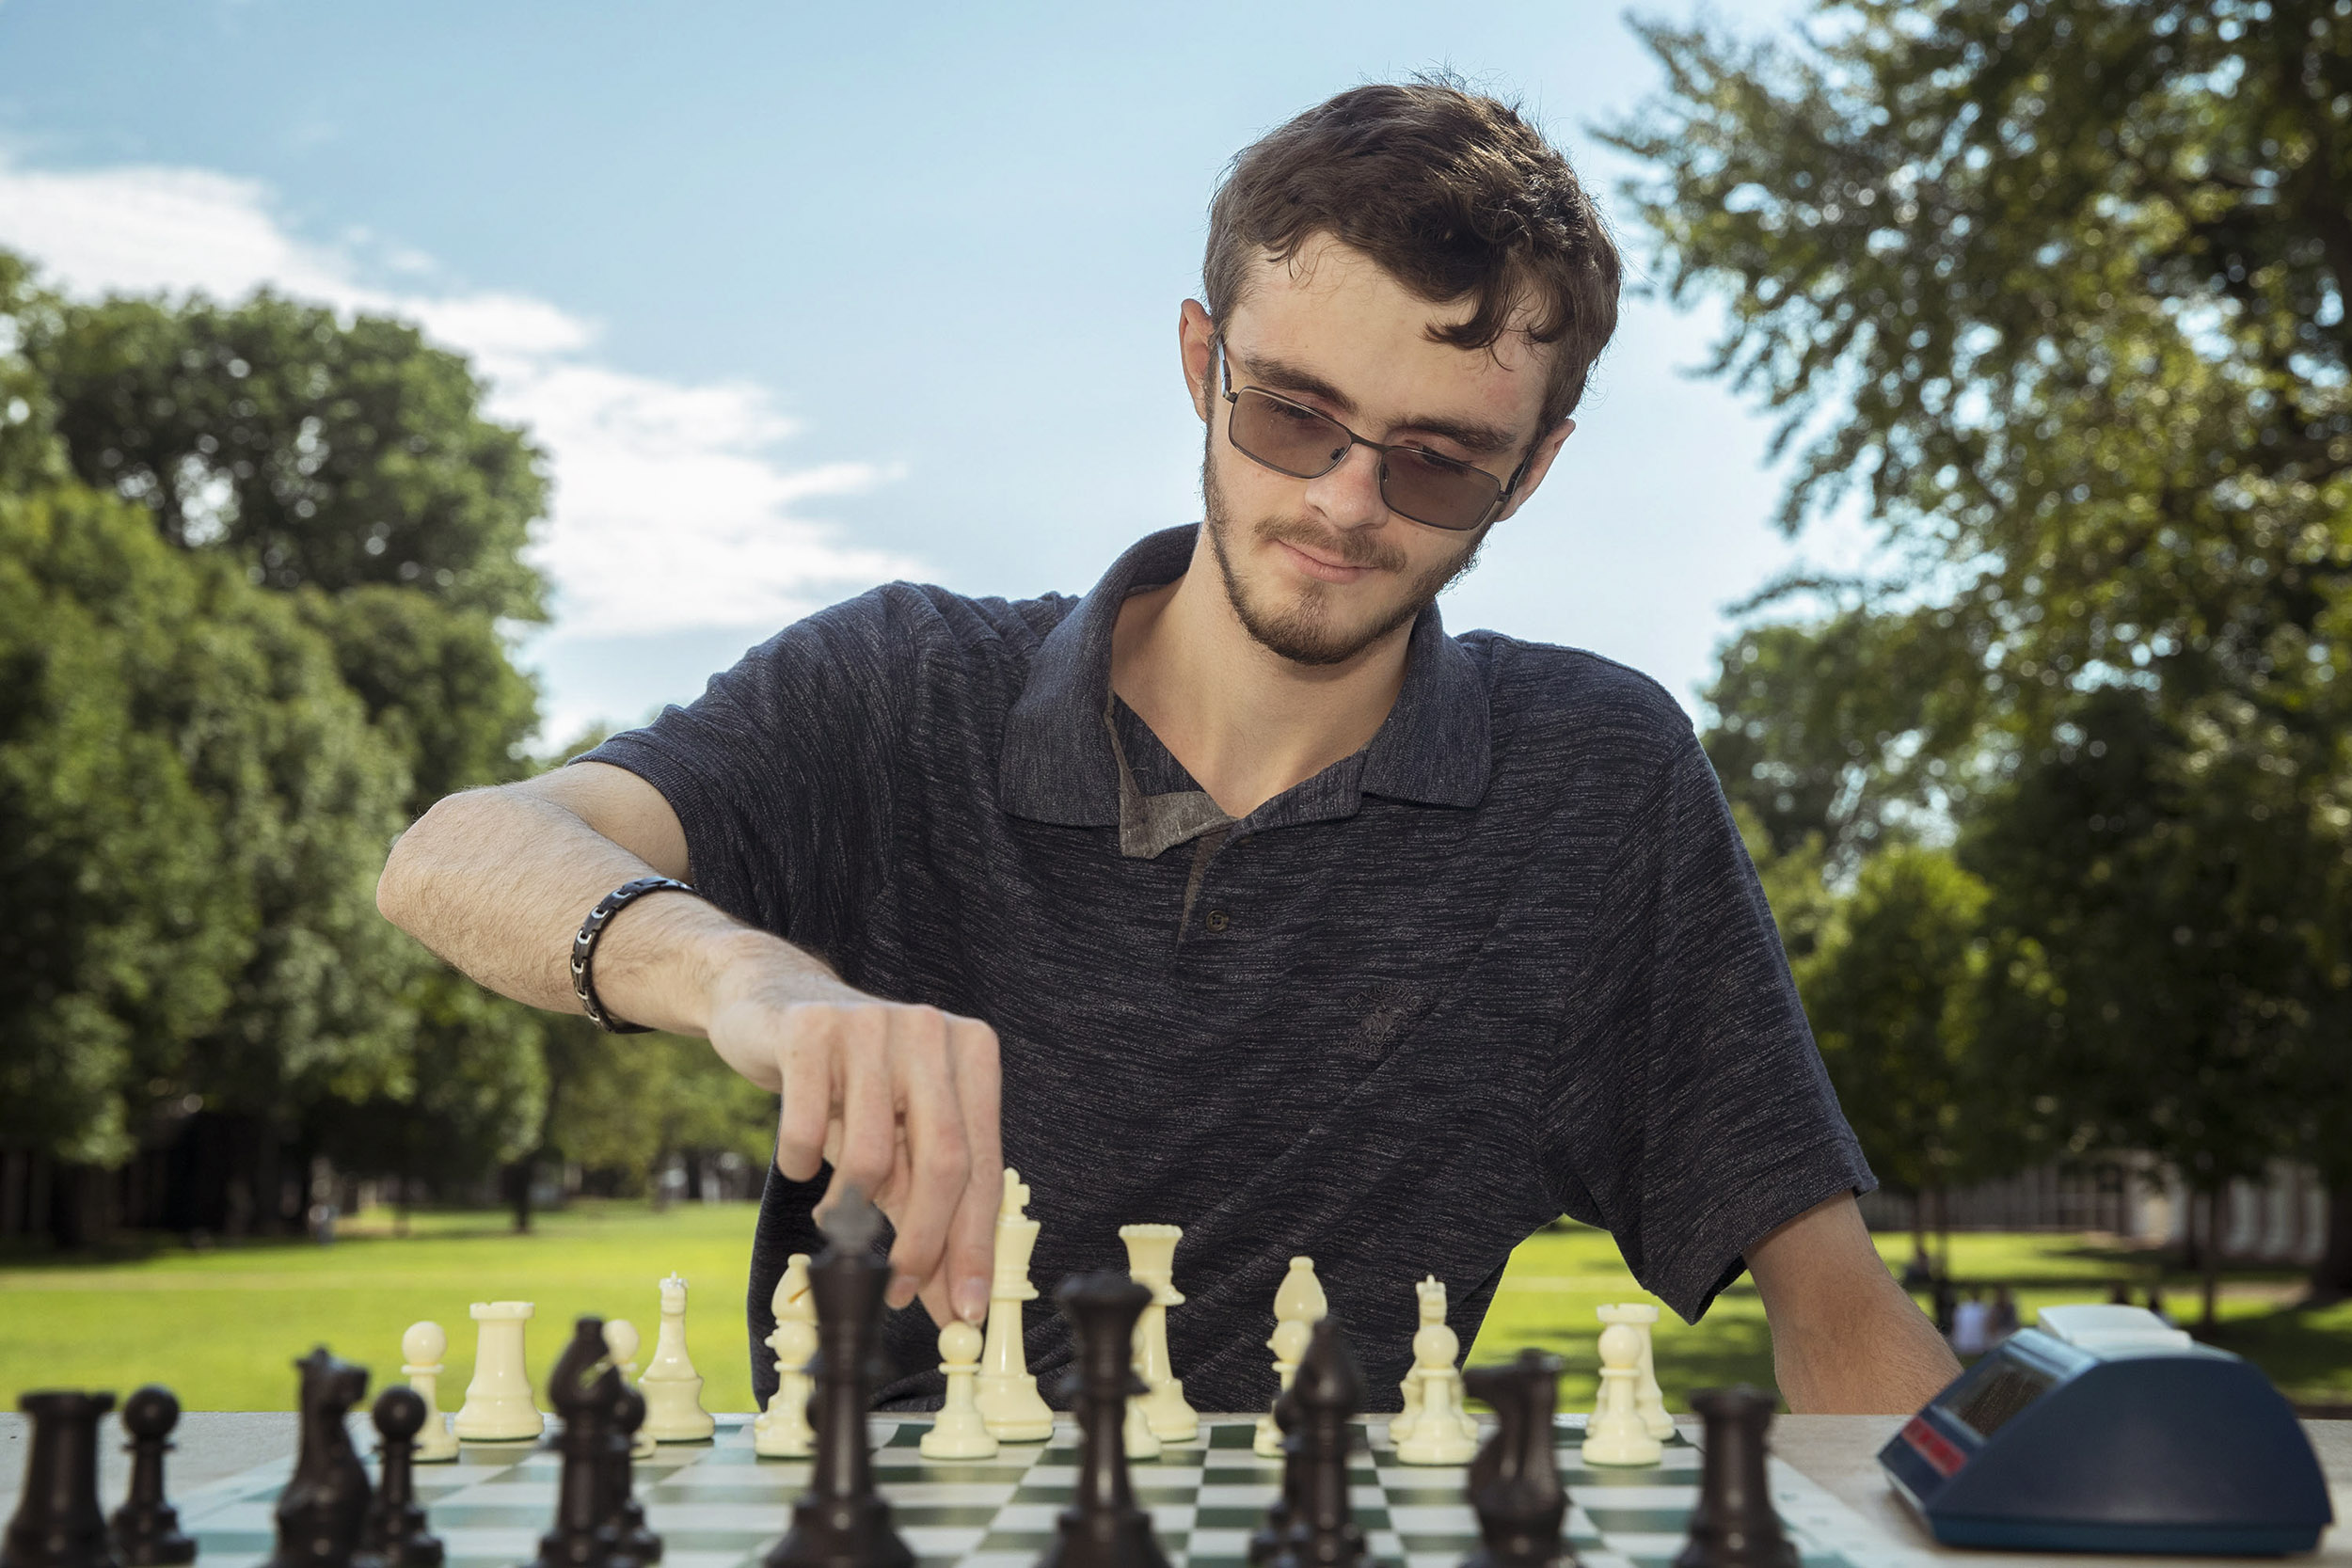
[{"x": 1348, "y": 548}]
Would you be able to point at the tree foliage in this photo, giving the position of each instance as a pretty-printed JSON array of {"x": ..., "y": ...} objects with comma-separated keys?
[{"x": 2057, "y": 288}]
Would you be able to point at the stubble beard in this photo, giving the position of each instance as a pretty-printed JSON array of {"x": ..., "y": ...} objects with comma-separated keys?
[{"x": 1304, "y": 631}]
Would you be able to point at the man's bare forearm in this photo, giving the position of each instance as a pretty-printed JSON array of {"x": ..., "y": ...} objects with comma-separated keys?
[
  {"x": 497, "y": 881},
  {"x": 1880, "y": 1356}
]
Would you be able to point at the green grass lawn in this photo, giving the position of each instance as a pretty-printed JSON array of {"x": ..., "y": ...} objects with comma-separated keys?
[{"x": 221, "y": 1327}]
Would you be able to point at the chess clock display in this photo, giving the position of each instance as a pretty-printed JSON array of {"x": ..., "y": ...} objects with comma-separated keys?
[{"x": 2104, "y": 1430}]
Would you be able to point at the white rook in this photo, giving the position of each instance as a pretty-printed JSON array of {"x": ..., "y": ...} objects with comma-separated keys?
[{"x": 499, "y": 1407}]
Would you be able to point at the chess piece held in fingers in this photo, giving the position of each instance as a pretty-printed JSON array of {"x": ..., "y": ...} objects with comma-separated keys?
[{"x": 841, "y": 1521}]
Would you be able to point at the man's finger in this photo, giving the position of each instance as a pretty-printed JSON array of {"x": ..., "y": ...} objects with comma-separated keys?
[
  {"x": 923, "y": 1075},
  {"x": 869, "y": 1124},
  {"x": 807, "y": 1069},
  {"x": 970, "y": 1263}
]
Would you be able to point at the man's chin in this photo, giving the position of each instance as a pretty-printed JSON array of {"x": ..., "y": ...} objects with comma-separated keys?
[{"x": 1313, "y": 624}]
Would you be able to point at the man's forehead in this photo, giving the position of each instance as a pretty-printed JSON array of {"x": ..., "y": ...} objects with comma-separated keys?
[{"x": 1333, "y": 310}]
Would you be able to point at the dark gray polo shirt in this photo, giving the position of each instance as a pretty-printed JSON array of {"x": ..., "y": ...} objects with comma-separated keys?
[{"x": 1508, "y": 962}]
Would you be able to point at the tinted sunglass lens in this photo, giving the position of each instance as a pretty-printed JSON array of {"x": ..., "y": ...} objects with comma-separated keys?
[
  {"x": 1430, "y": 490},
  {"x": 1284, "y": 436}
]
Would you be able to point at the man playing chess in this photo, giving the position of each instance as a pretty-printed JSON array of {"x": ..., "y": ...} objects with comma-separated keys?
[{"x": 1237, "y": 895}]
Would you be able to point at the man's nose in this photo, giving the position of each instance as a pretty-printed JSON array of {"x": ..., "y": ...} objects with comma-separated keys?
[{"x": 1349, "y": 495}]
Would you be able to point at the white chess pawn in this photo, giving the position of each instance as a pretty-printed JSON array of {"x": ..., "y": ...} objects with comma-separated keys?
[
  {"x": 1640, "y": 1316},
  {"x": 1136, "y": 1433},
  {"x": 781, "y": 1431},
  {"x": 421, "y": 1348},
  {"x": 1152, "y": 1261},
  {"x": 959, "y": 1432},
  {"x": 499, "y": 1407},
  {"x": 1441, "y": 1431},
  {"x": 621, "y": 1341},
  {"x": 673, "y": 1389},
  {"x": 1008, "y": 1398},
  {"x": 1400, "y": 1424},
  {"x": 1616, "y": 1433},
  {"x": 1299, "y": 1305}
]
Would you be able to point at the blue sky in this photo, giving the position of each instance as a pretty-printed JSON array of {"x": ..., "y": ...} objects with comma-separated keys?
[{"x": 789, "y": 291}]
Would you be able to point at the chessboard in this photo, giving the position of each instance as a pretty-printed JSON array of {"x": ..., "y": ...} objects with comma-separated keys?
[{"x": 717, "y": 1505}]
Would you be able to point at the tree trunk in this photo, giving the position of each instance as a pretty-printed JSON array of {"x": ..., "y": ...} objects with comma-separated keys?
[
  {"x": 693, "y": 1175},
  {"x": 2211, "y": 1318},
  {"x": 518, "y": 1191},
  {"x": 2331, "y": 1277}
]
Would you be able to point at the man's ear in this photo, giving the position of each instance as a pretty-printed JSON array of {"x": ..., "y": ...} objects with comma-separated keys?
[
  {"x": 1196, "y": 337},
  {"x": 1538, "y": 464}
]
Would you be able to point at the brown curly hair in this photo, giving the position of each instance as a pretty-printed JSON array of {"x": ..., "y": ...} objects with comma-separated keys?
[{"x": 1453, "y": 194}]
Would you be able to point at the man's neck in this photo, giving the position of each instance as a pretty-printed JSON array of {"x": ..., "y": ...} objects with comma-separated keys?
[{"x": 1245, "y": 723}]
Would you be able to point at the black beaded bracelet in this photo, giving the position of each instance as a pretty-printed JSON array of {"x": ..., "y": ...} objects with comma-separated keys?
[{"x": 584, "y": 946}]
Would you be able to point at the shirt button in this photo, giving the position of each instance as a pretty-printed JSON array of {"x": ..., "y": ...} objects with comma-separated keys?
[{"x": 1216, "y": 920}]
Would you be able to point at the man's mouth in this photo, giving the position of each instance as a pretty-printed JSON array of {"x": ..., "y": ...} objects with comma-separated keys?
[{"x": 1322, "y": 567}]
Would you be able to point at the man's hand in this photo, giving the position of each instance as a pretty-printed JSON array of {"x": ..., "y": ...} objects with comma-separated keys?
[
  {"x": 902, "y": 1100},
  {"x": 1847, "y": 1339}
]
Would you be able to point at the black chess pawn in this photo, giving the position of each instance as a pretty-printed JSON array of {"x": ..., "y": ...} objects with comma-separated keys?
[
  {"x": 1514, "y": 1479},
  {"x": 146, "y": 1529},
  {"x": 841, "y": 1521},
  {"x": 396, "y": 1535},
  {"x": 1103, "y": 1527},
  {"x": 583, "y": 1535},
  {"x": 1327, "y": 1389},
  {"x": 324, "y": 1506},
  {"x": 1734, "y": 1525},
  {"x": 635, "y": 1547},
  {"x": 56, "y": 1523}
]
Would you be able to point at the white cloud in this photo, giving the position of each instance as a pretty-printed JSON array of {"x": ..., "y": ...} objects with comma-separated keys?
[{"x": 671, "y": 510}]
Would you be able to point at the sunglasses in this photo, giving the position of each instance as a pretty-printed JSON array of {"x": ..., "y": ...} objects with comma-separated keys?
[{"x": 1418, "y": 484}]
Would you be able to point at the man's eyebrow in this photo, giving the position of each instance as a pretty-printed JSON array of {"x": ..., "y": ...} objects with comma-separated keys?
[{"x": 1283, "y": 376}]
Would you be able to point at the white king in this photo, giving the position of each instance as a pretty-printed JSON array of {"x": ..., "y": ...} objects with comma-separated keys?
[{"x": 1008, "y": 1400}]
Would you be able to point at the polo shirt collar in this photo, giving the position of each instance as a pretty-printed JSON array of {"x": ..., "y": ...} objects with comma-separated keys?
[{"x": 1060, "y": 764}]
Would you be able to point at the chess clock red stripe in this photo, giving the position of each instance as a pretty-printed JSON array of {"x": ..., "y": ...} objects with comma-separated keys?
[{"x": 1933, "y": 1446}]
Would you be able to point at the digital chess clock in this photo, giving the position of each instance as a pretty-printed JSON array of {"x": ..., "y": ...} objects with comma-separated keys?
[{"x": 2103, "y": 1430}]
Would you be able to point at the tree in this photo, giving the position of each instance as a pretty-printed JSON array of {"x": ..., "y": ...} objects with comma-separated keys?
[
  {"x": 325, "y": 455},
  {"x": 1893, "y": 992},
  {"x": 2059, "y": 287},
  {"x": 194, "y": 808}
]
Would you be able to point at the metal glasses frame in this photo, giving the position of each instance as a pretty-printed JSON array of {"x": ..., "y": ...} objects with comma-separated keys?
[{"x": 1503, "y": 494}]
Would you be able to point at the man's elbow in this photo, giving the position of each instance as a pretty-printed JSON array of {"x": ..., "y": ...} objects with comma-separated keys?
[{"x": 407, "y": 868}]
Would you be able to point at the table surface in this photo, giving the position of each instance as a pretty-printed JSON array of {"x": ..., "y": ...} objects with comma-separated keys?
[{"x": 1837, "y": 1452}]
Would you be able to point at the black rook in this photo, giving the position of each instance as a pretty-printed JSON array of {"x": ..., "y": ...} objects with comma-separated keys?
[
  {"x": 1734, "y": 1525},
  {"x": 57, "y": 1524}
]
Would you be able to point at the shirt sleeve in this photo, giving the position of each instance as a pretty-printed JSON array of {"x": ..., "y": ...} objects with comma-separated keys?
[
  {"x": 1694, "y": 1114},
  {"x": 782, "y": 772}
]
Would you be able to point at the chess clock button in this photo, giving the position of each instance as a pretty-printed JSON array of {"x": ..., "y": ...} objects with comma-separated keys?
[{"x": 1216, "y": 920}]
